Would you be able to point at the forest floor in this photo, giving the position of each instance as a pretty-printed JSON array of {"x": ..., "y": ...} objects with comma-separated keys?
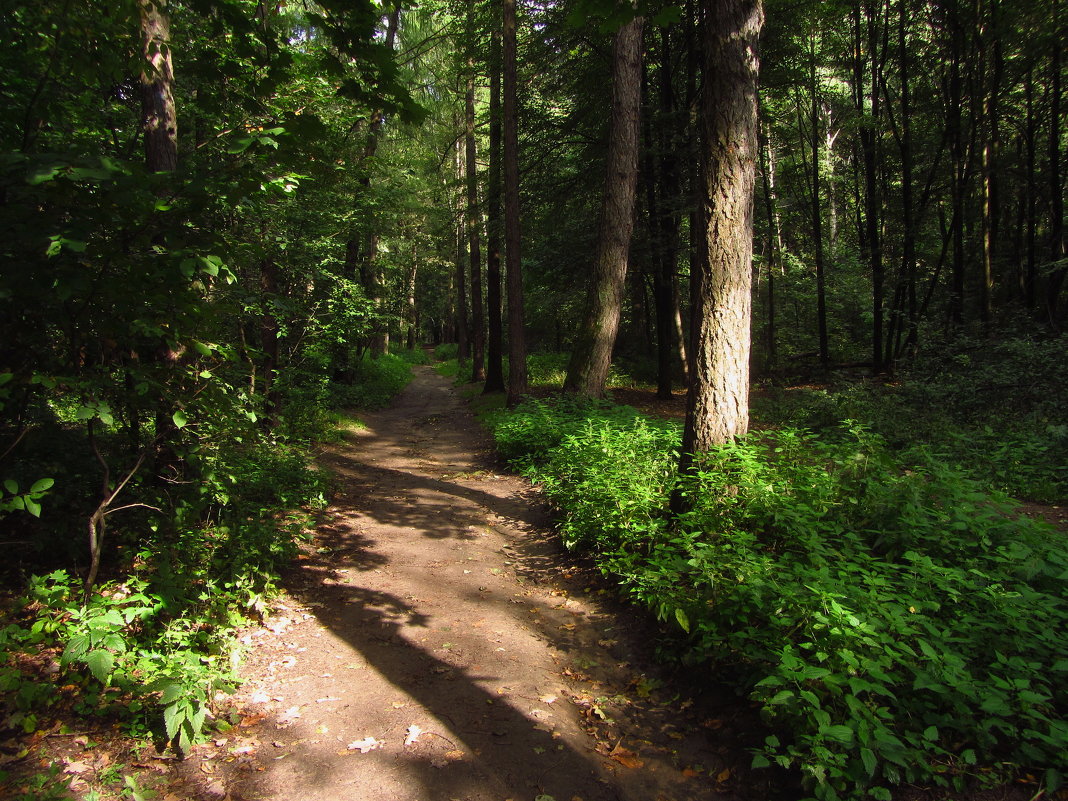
[{"x": 435, "y": 642}]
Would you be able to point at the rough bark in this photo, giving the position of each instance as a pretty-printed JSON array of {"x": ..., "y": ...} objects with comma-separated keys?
[
  {"x": 159, "y": 119},
  {"x": 717, "y": 407},
  {"x": 592, "y": 354}
]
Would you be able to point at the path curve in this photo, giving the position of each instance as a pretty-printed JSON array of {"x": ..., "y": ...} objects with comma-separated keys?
[{"x": 435, "y": 644}]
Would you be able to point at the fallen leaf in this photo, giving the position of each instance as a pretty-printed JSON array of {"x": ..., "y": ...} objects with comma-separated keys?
[
  {"x": 690, "y": 773},
  {"x": 723, "y": 775},
  {"x": 548, "y": 699},
  {"x": 364, "y": 745},
  {"x": 328, "y": 699},
  {"x": 77, "y": 767},
  {"x": 625, "y": 757},
  {"x": 413, "y": 735}
]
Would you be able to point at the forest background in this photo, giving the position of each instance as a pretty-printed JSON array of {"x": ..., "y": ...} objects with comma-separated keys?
[{"x": 223, "y": 219}]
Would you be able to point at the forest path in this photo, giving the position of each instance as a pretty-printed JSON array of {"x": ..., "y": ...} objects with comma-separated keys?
[{"x": 436, "y": 644}]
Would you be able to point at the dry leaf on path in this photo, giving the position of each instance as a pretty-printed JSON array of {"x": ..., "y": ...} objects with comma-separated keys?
[
  {"x": 625, "y": 757},
  {"x": 364, "y": 745},
  {"x": 413, "y": 735}
]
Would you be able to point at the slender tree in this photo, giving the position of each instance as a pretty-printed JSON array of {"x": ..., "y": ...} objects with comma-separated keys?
[
  {"x": 592, "y": 354},
  {"x": 517, "y": 341},
  {"x": 494, "y": 341},
  {"x": 474, "y": 223}
]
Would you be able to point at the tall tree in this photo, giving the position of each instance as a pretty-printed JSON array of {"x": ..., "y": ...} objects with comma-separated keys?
[
  {"x": 159, "y": 119},
  {"x": 717, "y": 404},
  {"x": 517, "y": 340},
  {"x": 494, "y": 341},
  {"x": 478, "y": 323},
  {"x": 592, "y": 354}
]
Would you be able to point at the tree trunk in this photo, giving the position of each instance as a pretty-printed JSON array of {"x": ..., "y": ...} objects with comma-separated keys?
[
  {"x": 370, "y": 277},
  {"x": 717, "y": 405},
  {"x": 517, "y": 340},
  {"x": 478, "y": 333},
  {"x": 159, "y": 120},
  {"x": 816, "y": 212},
  {"x": 1057, "y": 247},
  {"x": 774, "y": 246},
  {"x": 592, "y": 356},
  {"x": 494, "y": 365}
]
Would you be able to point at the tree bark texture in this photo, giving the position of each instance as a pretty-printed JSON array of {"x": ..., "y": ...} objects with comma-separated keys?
[
  {"x": 592, "y": 355},
  {"x": 717, "y": 407},
  {"x": 159, "y": 119}
]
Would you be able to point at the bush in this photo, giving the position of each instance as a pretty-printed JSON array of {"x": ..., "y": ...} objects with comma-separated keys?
[
  {"x": 895, "y": 621},
  {"x": 446, "y": 351},
  {"x": 376, "y": 382}
]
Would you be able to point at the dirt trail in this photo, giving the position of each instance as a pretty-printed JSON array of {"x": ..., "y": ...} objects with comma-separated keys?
[{"x": 435, "y": 644}]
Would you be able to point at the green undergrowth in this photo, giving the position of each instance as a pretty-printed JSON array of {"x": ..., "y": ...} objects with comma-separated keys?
[
  {"x": 185, "y": 563},
  {"x": 154, "y": 645},
  {"x": 896, "y": 620},
  {"x": 375, "y": 381},
  {"x": 996, "y": 410}
]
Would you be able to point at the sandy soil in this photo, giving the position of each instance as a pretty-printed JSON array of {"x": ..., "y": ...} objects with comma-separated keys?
[{"x": 436, "y": 644}]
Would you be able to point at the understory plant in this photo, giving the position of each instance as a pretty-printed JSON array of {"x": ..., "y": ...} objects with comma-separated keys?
[{"x": 896, "y": 620}]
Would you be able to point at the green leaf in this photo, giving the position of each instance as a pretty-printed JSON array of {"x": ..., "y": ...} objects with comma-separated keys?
[
  {"x": 931, "y": 733},
  {"x": 100, "y": 663},
  {"x": 42, "y": 484},
  {"x": 867, "y": 756},
  {"x": 76, "y": 648},
  {"x": 179, "y": 419},
  {"x": 5, "y": 377},
  {"x": 171, "y": 693},
  {"x": 842, "y": 734},
  {"x": 239, "y": 146},
  {"x": 781, "y": 697},
  {"x": 760, "y": 761},
  {"x": 32, "y": 506},
  {"x": 684, "y": 622},
  {"x": 173, "y": 717},
  {"x": 11, "y": 486}
]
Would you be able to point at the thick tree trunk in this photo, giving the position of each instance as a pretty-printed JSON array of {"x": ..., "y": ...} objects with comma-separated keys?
[
  {"x": 717, "y": 407},
  {"x": 592, "y": 356},
  {"x": 517, "y": 340},
  {"x": 494, "y": 343}
]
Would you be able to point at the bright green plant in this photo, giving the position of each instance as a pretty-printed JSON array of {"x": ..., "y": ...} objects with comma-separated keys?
[{"x": 895, "y": 621}]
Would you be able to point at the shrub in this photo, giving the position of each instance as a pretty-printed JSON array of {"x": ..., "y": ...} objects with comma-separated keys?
[
  {"x": 896, "y": 621},
  {"x": 376, "y": 382},
  {"x": 446, "y": 351}
]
